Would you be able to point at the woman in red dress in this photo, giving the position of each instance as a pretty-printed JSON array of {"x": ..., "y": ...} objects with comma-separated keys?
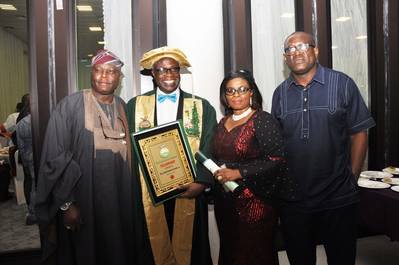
[{"x": 249, "y": 143}]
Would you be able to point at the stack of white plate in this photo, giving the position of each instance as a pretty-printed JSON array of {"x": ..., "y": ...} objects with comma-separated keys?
[
  {"x": 372, "y": 184},
  {"x": 392, "y": 170},
  {"x": 379, "y": 179},
  {"x": 375, "y": 175}
]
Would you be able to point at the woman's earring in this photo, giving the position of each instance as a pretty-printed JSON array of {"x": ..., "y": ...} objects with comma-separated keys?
[{"x": 250, "y": 101}]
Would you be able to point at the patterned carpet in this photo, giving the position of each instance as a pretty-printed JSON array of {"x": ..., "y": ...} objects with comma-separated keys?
[{"x": 14, "y": 233}]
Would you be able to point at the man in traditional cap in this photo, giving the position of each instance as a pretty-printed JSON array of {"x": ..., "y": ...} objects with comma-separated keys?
[
  {"x": 178, "y": 228},
  {"x": 88, "y": 202}
]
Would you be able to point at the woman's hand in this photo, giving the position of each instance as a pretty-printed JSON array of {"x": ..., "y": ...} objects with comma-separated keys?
[
  {"x": 227, "y": 174},
  {"x": 72, "y": 220}
]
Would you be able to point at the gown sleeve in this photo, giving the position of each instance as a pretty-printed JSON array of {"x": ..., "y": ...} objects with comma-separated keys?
[
  {"x": 130, "y": 113},
  {"x": 208, "y": 128},
  {"x": 59, "y": 172}
]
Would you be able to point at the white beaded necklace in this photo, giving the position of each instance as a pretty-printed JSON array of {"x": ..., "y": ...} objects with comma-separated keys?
[{"x": 237, "y": 117}]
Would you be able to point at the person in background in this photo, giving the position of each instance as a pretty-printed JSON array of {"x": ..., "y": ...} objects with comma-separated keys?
[
  {"x": 25, "y": 108},
  {"x": 248, "y": 142},
  {"x": 11, "y": 121},
  {"x": 178, "y": 228},
  {"x": 7, "y": 129},
  {"x": 3, "y": 134},
  {"x": 25, "y": 147},
  {"x": 324, "y": 122},
  {"x": 88, "y": 202},
  {"x": 8, "y": 137}
]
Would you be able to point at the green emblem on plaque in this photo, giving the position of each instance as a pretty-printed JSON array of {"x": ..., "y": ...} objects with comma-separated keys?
[{"x": 164, "y": 152}]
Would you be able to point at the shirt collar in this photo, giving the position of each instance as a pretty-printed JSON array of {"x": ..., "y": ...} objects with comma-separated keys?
[
  {"x": 318, "y": 77},
  {"x": 160, "y": 92}
]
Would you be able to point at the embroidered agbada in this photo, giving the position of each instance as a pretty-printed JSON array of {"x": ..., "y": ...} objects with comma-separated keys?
[
  {"x": 85, "y": 159},
  {"x": 188, "y": 243}
]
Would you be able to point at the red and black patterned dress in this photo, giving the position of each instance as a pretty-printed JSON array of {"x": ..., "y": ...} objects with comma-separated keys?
[{"x": 246, "y": 218}]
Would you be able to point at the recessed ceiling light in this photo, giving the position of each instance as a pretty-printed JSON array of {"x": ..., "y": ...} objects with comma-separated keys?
[
  {"x": 342, "y": 19},
  {"x": 90, "y": 55},
  {"x": 361, "y": 37},
  {"x": 101, "y": 42},
  {"x": 287, "y": 15},
  {"x": 84, "y": 8},
  {"x": 95, "y": 29},
  {"x": 8, "y": 7}
]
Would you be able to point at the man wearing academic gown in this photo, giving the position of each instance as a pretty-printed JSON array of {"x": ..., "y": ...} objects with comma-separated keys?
[
  {"x": 88, "y": 201},
  {"x": 178, "y": 228}
]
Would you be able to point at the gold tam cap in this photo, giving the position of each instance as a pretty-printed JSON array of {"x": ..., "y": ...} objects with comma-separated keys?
[{"x": 151, "y": 57}]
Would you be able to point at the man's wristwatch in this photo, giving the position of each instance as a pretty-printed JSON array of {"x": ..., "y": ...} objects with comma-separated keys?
[{"x": 65, "y": 206}]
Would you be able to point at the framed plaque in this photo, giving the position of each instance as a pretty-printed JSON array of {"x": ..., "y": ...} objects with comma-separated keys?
[{"x": 166, "y": 160}]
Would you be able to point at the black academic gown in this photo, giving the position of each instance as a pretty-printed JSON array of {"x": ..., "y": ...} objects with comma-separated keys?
[
  {"x": 200, "y": 254},
  {"x": 99, "y": 181}
]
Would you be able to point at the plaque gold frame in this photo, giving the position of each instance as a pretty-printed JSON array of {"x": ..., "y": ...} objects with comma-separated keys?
[{"x": 166, "y": 160}]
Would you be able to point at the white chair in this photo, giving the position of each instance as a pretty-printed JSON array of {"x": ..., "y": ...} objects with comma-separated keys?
[{"x": 19, "y": 181}]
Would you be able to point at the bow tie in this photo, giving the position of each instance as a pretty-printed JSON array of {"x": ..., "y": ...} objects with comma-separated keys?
[{"x": 162, "y": 97}]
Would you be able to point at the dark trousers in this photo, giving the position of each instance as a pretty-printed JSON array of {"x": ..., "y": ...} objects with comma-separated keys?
[
  {"x": 336, "y": 229},
  {"x": 4, "y": 182},
  {"x": 27, "y": 184}
]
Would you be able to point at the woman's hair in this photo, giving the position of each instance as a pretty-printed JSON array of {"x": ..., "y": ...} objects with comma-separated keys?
[{"x": 246, "y": 75}]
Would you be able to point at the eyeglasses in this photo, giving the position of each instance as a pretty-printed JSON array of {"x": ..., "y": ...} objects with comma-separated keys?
[
  {"x": 300, "y": 47},
  {"x": 164, "y": 71},
  {"x": 230, "y": 91}
]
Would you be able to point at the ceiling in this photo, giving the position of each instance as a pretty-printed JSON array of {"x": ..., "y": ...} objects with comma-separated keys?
[{"x": 16, "y": 23}]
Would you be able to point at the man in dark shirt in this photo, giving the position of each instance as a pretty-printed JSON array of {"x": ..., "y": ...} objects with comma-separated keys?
[{"x": 324, "y": 121}]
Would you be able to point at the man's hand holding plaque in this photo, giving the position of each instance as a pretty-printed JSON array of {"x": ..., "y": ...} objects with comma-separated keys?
[{"x": 192, "y": 190}]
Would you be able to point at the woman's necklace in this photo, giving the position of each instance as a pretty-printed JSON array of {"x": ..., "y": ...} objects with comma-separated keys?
[{"x": 237, "y": 117}]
